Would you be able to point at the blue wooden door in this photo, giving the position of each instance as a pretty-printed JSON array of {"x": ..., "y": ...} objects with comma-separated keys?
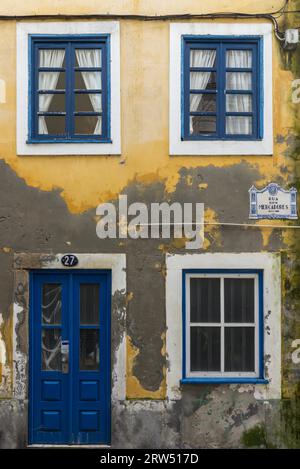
[{"x": 69, "y": 357}]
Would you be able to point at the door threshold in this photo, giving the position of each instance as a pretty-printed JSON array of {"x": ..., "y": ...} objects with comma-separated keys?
[{"x": 69, "y": 446}]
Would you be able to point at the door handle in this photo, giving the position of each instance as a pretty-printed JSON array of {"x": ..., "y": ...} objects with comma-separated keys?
[{"x": 65, "y": 356}]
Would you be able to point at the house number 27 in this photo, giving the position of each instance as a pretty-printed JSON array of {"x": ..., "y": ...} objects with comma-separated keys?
[{"x": 69, "y": 260}]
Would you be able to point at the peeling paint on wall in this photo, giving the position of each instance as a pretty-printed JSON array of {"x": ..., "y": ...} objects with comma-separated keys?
[{"x": 48, "y": 206}]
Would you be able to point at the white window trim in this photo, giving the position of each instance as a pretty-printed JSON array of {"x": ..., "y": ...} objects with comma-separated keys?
[
  {"x": 270, "y": 263},
  {"x": 226, "y": 374},
  {"x": 219, "y": 147},
  {"x": 64, "y": 28}
]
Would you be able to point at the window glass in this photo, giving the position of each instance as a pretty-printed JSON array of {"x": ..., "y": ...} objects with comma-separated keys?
[
  {"x": 221, "y": 90},
  {"x": 205, "y": 299},
  {"x": 239, "y": 349},
  {"x": 51, "y": 349},
  {"x": 89, "y": 303},
  {"x": 222, "y": 322},
  {"x": 71, "y": 100},
  {"x": 239, "y": 299},
  {"x": 205, "y": 348},
  {"x": 51, "y": 303},
  {"x": 89, "y": 349}
]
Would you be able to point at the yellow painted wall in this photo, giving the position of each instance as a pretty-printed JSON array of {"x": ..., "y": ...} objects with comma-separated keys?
[
  {"x": 152, "y": 7},
  {"x": 87, "y": 181}
]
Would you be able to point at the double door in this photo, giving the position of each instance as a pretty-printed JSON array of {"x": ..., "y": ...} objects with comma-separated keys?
[{"x": 69, "y": 392}]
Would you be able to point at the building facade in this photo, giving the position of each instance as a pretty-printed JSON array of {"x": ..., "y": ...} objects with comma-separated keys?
[{"x": 127, "y": 337}]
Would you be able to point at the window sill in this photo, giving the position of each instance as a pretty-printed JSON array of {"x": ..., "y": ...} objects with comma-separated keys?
[
  {"x": 224, "y": 380},
  {"x": 220, "y": 147},
  {"x": 30, "y": 142},
  {"x": 221, "y": 139}
]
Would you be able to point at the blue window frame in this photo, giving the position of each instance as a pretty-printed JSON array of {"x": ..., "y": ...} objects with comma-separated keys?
[
  {"x": 69, "y": 89},
  {"x": 222, "y": 95},
  {"x": 223, "y": 326}
]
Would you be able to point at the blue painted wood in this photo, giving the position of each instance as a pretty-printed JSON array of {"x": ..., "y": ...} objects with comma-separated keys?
[
  {"x": 72, "y": 408},
  {"x": 224, "y": 380},
  {"x": 69, "y": 43},
  {"x": 258, "y": 380},
  {"x": 221, "y": 44}
]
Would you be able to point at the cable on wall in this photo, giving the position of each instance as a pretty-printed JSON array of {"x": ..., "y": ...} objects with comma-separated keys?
[{"x": 220, "y": 15}]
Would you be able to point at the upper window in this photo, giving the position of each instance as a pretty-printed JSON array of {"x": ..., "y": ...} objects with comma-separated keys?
[
  {"x": 69, "y": 92},
  {"x": 223, "y": 325},
  {"x": 220, "y": 99},
  {"x": 222, "y": 88}
]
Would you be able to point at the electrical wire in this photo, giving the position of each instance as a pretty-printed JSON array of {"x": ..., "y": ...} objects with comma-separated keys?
[
  {"x": 187, "y": 16},
  {"x": 243, "y": 225},
  {"x": 222, "y": 15}
]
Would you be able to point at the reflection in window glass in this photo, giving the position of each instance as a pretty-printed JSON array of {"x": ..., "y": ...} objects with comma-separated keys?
[
  {"x": 51, "y": 349},
  {"x": 205, "y": 348},
  {"x": 89, "y": 349},
  {"x": 203, "y": 125},
  {"x": 51, "y": 303}
]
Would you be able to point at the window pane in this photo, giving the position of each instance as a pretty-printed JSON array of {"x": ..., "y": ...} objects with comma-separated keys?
[
  {"x": 238, "y": 81},
  {"x": 51, "y": 303},
  {"x": 52, "y": 58},
  {"x": 51, "y": 354},
  {"x": 205, "y": 349},
  {"x": 239, "y": 349},
  {"x": 88, "y": 125},
  {"x": 205, "y": 299},
  {"x": 203, "y": 81},
  {"x": 88, "y": 102},
  {"x": 239, "y": 125},
  {"x": 89, "y": 349},
  {"x": 52, "y": 125},
  {"x": 239, "y": 299},
  {"x": 52, "y": 103},
  {"x": 88, "y": 58},
  {"x": 52, "y": 81},
  {"x": 238, "y": 103},
  {"x": 205, "y": 58},
  {"x": 239, "y": 58},
  {"x": 204, "y": 125},
  {"x": 88, "y": 81},
  {"x": 203, "y": 102},
  {"x": 89, "y": 303}
]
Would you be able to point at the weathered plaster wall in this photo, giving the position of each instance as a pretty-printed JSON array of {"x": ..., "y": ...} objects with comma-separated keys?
[{"x": 47, "y": 204}]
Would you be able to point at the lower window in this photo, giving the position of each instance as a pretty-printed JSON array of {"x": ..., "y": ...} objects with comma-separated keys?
[{"x": 223, "y": 325}]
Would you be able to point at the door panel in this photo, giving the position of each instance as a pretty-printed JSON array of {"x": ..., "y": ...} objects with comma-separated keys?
[
  {"x": 90, "y": 363},
  {"x": 70, "y": 357}
]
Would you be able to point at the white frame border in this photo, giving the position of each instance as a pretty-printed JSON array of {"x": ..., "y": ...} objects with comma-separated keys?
[
  {"x": 64, "y": 28},
  {"x": 270, "y": 263},
  {"x": 255, "y": 324},
  {"x": 219, "y": 147}
]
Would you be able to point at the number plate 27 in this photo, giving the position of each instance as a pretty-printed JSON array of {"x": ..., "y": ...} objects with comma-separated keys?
[{"x": 69, "y": 260}]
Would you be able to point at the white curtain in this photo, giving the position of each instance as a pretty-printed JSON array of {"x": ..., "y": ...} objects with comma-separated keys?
[
  {"x": 50, "y": 58},
  {"x": 239, "y": 102},
  {"x": 92, "y": 80},
  {"x": 199, "y": 80}
]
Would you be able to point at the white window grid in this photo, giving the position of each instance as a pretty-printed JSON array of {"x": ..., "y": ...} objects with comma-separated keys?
[{"x": 222, "y": 324}]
